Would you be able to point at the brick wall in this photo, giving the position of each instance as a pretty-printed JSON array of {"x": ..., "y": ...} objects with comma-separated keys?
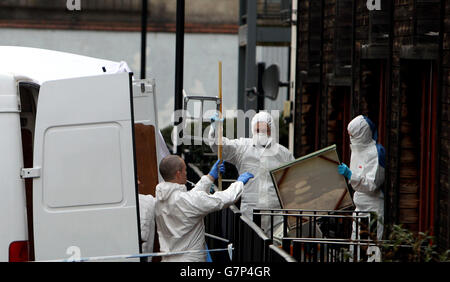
[
  {"x": 402, "y": 29},
  {"x": 409, "y": 28},
  {"x": 118, "y": 15},
  {"x": 308, "y": 73},
  {"x": 361, "y": 39}
]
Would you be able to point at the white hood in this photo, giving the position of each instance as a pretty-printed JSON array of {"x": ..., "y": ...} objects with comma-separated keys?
[
  {"x": 179, "y": 215},
  {"x": 360, "y": 132},
  {"x": 165, "y": 189},
  {"x": 367, "y": 173},
  {"x": 258, "y": 138}
]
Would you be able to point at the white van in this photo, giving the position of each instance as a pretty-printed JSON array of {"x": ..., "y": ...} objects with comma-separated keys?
[{"x": 68, "y": 172}]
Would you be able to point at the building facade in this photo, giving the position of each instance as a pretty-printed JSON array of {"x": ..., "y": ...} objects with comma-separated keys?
[
  {"x": 111, "y": 29},
  {"x": 391, "y": 65}
]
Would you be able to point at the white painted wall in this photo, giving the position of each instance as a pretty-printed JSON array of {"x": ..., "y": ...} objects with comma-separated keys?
[
  {"x": 202, "y": 53},
  {"x": 201, "y": 56}
]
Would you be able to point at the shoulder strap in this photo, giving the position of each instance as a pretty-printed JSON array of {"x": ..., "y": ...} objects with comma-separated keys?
[{"x": 381, "y": 155}]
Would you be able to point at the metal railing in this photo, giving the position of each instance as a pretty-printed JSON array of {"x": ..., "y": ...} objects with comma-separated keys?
[
  {"x": 254, "y": 242},
  {"x": 225, "y": 224},
  {"x": 304, "y": 236},
  {"x": 277, "y": 254},
  {"x": 322, "y": 235},
  {"x": 250, "y": 243},
  {"x": 329, "y": 250},
  {"x": 192, "y": 128},
  {"x": 316, "y": 223}
]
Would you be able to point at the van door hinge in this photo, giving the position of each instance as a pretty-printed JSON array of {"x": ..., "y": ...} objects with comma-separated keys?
[{"x": 30, "y": 172}]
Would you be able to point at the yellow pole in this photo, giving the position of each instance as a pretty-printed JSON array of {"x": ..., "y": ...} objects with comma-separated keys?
[{"x": 220, "y": 128}]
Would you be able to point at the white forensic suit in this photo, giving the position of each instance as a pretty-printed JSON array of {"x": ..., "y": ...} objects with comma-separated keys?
[
  {"x": 180, "y": 213},
  {"x": 147, "y": 219},
  {"x": 247, "y": 154},
  {"x": 147, "y": 204},
  {"x": 367, "y": 167}
]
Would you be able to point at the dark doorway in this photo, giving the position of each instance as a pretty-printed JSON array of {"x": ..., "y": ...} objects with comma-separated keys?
[
  {"x": 373, "y": 94},
  {"x": 339, "y": 105},
  {"x": 309, "y": 108},
  {"x": 418, "y": 136}
]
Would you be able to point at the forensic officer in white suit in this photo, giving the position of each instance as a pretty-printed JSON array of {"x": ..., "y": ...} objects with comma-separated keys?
[
  {"x": 367, "y": 170},
  {"x": 257, "y": 155}
]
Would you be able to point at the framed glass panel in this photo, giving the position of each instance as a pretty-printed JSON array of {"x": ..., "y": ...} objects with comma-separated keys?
[{"x": 312, "y": 182}]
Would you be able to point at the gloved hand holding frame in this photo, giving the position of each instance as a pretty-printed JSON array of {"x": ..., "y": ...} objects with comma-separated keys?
[{"x": 312, "y": 182}]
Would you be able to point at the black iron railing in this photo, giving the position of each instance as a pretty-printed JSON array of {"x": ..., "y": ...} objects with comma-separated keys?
[
  {"x": 253, "y": 241},
  {"x": 317, "y": 223},
  {"x": 276, "y": 254},
  {"x": 329, "y": 250},
  {"x": 250, "y": 243},
  {"x": 304, "y": 236},
  {"x": 322, "y": 235},
  {"x": 224, "y": 224}
]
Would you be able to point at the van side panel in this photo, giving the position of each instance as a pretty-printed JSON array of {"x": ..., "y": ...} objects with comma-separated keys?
[
  {"x": 85, "y": 197},
  {"x": 13, "y": 223}
]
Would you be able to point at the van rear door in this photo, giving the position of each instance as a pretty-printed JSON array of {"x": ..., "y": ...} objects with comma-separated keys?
[{"x": 85, "y": 190}]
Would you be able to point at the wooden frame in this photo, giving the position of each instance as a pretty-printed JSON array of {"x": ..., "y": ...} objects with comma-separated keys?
[
  {"x": 146, "y": 158},
  {"x": 312, "y": 182}
]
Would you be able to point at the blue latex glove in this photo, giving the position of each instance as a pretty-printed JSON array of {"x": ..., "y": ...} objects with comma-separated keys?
[
  {"x": 215, "y": 117},
  {"x": 245, "y": 177},
  {"x": 215, "y": 169},
  {"x": 344, "y": 170}
]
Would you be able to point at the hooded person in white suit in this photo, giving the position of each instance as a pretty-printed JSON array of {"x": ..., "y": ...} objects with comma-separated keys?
[
  {"x": 179, "y": 213},
  {"x": 367, "y": 170},
  {"x": 147, "y": 220},
  {"x": 257, "y": 155}
]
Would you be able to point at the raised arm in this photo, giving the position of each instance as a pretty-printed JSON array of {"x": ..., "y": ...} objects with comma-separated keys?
[
  {"x": 198, "y": 203},
  {"x": 231, "y": 147}
]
